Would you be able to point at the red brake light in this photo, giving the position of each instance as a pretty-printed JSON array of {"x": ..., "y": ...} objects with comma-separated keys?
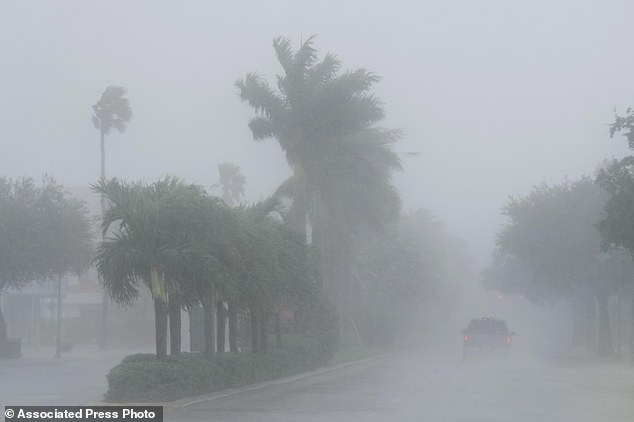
[
  {"x": 508, "y": 340},
  {"x": 466, "y": 339}
]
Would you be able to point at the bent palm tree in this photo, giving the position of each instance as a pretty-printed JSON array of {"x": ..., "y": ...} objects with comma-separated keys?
[{"x": 111, "y": 111}]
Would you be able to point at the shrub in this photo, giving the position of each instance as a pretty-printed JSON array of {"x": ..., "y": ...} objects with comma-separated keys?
[{"x": 143, "y": 377}]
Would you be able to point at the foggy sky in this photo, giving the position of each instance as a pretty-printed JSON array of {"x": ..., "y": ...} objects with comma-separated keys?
[{"x": 496, "y": 96}]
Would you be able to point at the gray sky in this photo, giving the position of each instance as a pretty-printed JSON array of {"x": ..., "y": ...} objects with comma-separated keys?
[{"x": 495, "y": 95}]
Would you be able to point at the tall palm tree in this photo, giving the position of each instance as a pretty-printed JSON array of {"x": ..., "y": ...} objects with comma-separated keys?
[
  {"x": 314, "y": 107},
  {"x": 111, "y": 111},
  {"x": 325, "y": 121}
]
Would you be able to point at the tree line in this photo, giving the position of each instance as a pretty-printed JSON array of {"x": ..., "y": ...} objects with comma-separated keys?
[
  {"x": 570, "y": 241},
  {"x": 190, "y": 248}
]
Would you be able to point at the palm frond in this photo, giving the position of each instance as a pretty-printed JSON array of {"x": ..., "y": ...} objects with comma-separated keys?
[
  {"x": 323, "y": 72},
  {"x": 119, "y": 262},
  {"x": 259, "y": 95},
  {"x": 284, "y": 52},
  {"x": 261, "y": 128},
  {"x": 112, "y": 110},
  {"x": 305, "y": 57}
]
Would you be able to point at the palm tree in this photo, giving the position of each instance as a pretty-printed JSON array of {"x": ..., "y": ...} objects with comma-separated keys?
[
  {"x": 151, "y": 243},
  {"x": 232, "y": 183},
  {"x": 111, "y": 111},
  {"x": 325, "y": 121},
  {"x": 314, "y": 108},
  {"x": 273, "y": 267}
]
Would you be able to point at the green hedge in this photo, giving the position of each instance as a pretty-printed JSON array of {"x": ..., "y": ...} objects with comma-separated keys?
[{"x": 143, "y": 377}]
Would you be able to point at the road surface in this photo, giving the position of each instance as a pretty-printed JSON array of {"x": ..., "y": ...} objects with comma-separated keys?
[
  {"x": 410, "y": 388},
  {"x": 40, "y": 379},
  {"x": 388, "y": 388}
]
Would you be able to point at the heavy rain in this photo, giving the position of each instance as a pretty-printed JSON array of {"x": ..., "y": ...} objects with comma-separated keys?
[{"x": 326, "y": 211}]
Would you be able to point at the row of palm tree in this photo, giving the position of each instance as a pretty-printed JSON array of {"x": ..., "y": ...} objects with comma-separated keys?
[{"x": 189, "y": 248}]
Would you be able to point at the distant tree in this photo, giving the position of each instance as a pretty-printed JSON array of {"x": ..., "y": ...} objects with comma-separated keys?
[
  {"x": 112, "y": 111},
  {"x": 44, "y": 234},
  {"x": 408, "y": 272},
  {"x": 231, "y": 183},
  {"x": 624, "y": 124},
  {"x": 617, "y": 178},
  {"x": 617, "y": 226},
  {"x": 553, "y": 236},
  {"x": 509, "y": 275}
]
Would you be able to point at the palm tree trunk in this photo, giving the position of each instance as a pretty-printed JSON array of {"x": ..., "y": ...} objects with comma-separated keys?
[
  {"x": 58, "y": 336},
  {"x": 605, "y": 330},
  {"x": 233, "y": 327},
  {"x": 254, "y": 329},
  {"x": 4, "y": 338},
  {"x": 160, "y": 324},
  {"x": 631, "y": 326},
  {"x": 221, "y": 321},
  {"x": 278, "y": 329},
  {"x": 208, "y": 311},
  {"x": 300, "y": 206},
  {"x": 322, "y": 240},
  {"x": 175, "y": 326},
  {"x": 264, "y": 332},
  {"x": 103, "y": 342},
  {"x": 590, "y": 325},
  {"x": 102, "y": 138}
]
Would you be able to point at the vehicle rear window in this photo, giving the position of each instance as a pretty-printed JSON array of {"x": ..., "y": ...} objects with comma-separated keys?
[{"x": 488, "y": 325}]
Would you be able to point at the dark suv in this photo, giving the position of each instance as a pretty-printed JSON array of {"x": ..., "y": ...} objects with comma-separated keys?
[{"x": 486, "y": 335}]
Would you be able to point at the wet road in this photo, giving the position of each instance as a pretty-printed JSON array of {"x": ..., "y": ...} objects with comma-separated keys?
[
  {"x": 389, "y": 388},
  {"x": 408, "y": 388},
  {"x": 39, "y": 379}
]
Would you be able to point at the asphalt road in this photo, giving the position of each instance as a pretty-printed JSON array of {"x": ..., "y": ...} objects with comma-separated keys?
[
  {"x": 40, "y": 379},
  {"x": 388, "y": 388},
  {"x": 410, "y": 388}
]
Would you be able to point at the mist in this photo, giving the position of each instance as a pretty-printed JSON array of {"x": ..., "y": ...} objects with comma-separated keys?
[{"x": 491, "y": 98}]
